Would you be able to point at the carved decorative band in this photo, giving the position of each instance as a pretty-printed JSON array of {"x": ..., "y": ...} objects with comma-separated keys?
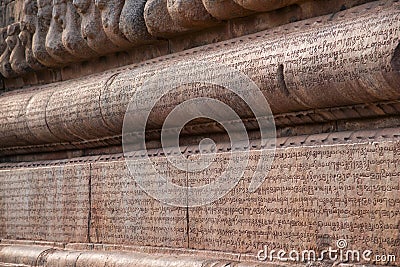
[
  {"x": 13, "y": 255},
  {"x": 337, "y": 138},
  {"x": 55, "y": 33},
  {"x": 311, "y": 117}
]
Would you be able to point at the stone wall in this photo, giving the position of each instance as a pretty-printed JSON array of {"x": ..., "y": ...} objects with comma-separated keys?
[
  {"x": 312, "y": 197},
  {"x": 76, "y": 188}
]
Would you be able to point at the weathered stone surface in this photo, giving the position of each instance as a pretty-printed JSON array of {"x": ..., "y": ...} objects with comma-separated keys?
[
  {"x": 16, "y": 108},
  {"x": 63, "y": 258},
  {"x": 45, "y": 203},
  {"x": 7, "y": 13},
  {"x": 54, "y": 39},
  {"x": 82, "y": 123},
  {"x": 110, "y": 13},
  {"x": 122, "y": 213},
  {"x": 44, "y": 16},
  {"x": 17, "y": 57},
  {"x": 36, "y": 112},
  {"x": 28, "y": 256},
  {"x": 265, "y": 5},
  {"x": 346, "y": 65},
  {"x": 132, "y": 24},
  {"x": 312, "y": 197},
  {"x": 190, "y": 13},
  {"x": 223, "y": 31},
  {"x": 159, "y": 22},
  {"x": 11, "y": 41},
  {"x": 110, "y": 17},
  {"x": 28, "y": 27},
  {"x": 72, "y": 37},
  {"x": 349, "y": 55},
  {"x": 92, "y": 28},
  {"x": 331, "y": 74},
  {"x": 298, "y": 88},
  {"x": 225, "y": 9},
  {"x": 3, "y": 37},
  {"x": 22, "y": 255}
]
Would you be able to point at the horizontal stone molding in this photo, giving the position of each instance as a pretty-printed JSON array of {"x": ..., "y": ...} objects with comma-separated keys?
[
  {"x": 13, "y": 254},
  {"x": 113, "y": 145},
  {"x": 29, "y": 255},
  {"x": 59, "y": 33},
  {"x": 288, "y": 125},
  {"x": 334, "y": 138},
  {"x": 345, "y": 59},
  {"x": 106, "y": 28}
]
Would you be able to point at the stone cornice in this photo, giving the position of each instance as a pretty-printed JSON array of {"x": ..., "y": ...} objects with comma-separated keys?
[{"x": 50, "y": 41}]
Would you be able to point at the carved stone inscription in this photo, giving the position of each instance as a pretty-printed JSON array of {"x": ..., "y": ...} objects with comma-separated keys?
[
  {"x": 122, "y": 213},
  {"x": 336, "y": 63},
  {"x": 311, "y": 198},
  {"x": 46, "y": 203}
]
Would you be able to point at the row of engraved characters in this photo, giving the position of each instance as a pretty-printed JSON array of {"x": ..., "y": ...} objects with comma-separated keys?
[{"x": 55, "y": 33}]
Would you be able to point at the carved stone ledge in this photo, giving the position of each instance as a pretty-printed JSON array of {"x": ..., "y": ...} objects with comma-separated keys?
[
  {"x": 28, "y": 256},
  {"x": 73, "y": 153},
  {"x": 97, "y": 254}
]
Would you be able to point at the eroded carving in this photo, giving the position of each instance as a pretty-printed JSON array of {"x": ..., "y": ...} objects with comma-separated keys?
[
  {"x": 91, "y": 27},
  {"x": 72, "y": 36},
  {"x": 75, "y": 256},
  {"x": 158, "y": 20},
  {"x": 17, "y": 57},
  {"x": 54, "y": 43},
  {"x": 132, "y": 23},
  {"x": 110, "y": 16},
  {"x": 190, "y": 13},
  {"x": 11, "y": 41},
  {"x": 28, "y": 27},
  {"x": 3, "y": 36},
  {"x": 44, "y": 15},
  {"x": 225, "y": 9}
]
